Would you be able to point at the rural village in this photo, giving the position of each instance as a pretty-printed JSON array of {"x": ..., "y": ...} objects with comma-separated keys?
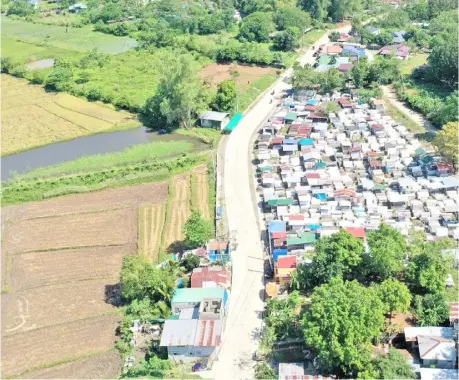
[{"x": 230, "y": 189}]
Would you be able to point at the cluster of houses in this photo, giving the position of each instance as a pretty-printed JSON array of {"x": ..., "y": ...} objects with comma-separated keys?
[
  {"x": 339, "y": 55},
  {"x": 352, "y": 169},
  {"x": 194, "y": 331}
]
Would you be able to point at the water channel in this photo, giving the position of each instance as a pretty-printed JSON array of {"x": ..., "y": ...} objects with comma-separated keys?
[{"x": 60, "y": 152}]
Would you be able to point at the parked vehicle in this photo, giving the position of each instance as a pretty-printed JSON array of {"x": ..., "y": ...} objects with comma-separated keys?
[{"x": 197, "y": 367}]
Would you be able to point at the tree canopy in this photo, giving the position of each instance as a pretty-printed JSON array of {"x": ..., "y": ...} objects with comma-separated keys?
[
  {"x": 225, "y": 99},
  {"x": 292, "y": 17},
  {"x": 179, "y": 98},
  {"x": 395, "y": 296},
  {"x": 386, "y": 252},
  {"x": 446, "y": 141},
  {"x": 393, "y": 365},
  {"x": 287, "y": 40},
  {"x": 431, "y": 309},
  {"x": 197, "y": 230},
  {"x": 257, "y": 27},
  {"x": 342, "y": 319}
]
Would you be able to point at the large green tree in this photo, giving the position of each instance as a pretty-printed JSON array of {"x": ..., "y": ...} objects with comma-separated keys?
[
  {"x": 428, "y": 269},
  {"x": 257, "y": 27},
  {"x": 386, "y": 252},
  {"x": 179, "y": 97},
  {"x": 318, "y": 9},
  {"x": 395, "y": 296},
  {"x": 342, "y": 319},
  {"x": 292, "y": 17},
  {"x": 197, "y": 230},
  {"x": 225, "y": 99},
  {"x": 287, "y": 40},
  {"x": 438, "y": 6},
  {"x": 21, "y": 8},
  {"x": 446, "y": 141},
  {"x": 443, "y": 60},
  {"x": 393, "y": 365},
  {"x": 431, "y": 309},
  {"x": 140, "y": 279},
  {"x": 337, "y": 255}
]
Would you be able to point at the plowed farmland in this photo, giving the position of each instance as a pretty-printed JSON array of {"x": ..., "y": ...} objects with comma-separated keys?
[
  {"x": 179, "y": 209},
  {"x": 60, "y": 263}
]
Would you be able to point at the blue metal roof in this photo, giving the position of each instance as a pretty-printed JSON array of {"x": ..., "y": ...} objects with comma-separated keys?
[
  {"x": 277, "y": 226},
  {"x": 279, "y": 252},
  {"x": 306, "y": 142},
  {"x": 311, "y": 102}
]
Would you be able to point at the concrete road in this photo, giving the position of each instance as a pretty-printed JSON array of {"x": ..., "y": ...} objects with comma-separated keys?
[{"x": 244, "y": 320}]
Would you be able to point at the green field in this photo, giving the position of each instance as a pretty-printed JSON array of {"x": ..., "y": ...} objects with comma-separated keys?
[
  {"x": 406, "y": 67},
  {"x": 81, "y": 39},
  {"x": 136, "y": 154},
  {"x": 260, "y": 85}
]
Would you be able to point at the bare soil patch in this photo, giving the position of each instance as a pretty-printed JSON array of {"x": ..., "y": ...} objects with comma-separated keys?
[
  {"x": 21, "y": 352},
  {"x": 217, "y": 73},
  {"x": 103, "y": 366}
]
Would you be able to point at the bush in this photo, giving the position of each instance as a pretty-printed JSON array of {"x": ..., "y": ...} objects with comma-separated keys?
[{"x": 197, "y": 231}]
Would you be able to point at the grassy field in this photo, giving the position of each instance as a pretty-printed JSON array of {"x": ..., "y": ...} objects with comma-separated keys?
[
  {"x": 81, "y": 39},
  {"x": 136, "y": 154},
  {"x": 258, "y": 86},
  {"x": 311, "y": 37},
  {"x": 406, "y": 67},
  {"x": 393, "y": 112},
  {"x": 32, "y": 117},
  {"x": 22, "y": 51}
]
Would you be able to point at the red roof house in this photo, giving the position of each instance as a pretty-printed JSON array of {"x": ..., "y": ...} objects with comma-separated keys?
[
  {"x": 217, "y": 275},
  {"x": 279, "y": 235},
  {"x": 286, "y": 262},
  {"x": 358, "y": 232}
]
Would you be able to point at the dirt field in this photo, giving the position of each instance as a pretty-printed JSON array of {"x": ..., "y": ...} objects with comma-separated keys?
[
  {"x": 95, "y": 367},
  {"x": 151, "y": 225},
  {"x": 60, "y": 263},
  {"x": 179, "y": 209},
  {"x": 200, "y": 190},
  {"x": 217, "y": 73},
  {"x": 31, "y": 117}
]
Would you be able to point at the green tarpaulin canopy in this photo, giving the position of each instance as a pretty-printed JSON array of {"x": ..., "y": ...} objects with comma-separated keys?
[
  {"x": 280, "y": 202},
  {"x": 290, "y": 116},
  {"x": 233, "y": 122}
]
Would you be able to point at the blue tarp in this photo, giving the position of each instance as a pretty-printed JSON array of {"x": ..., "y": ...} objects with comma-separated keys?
[
  {"x": 321, "y": 196},
  {"x": 279, "y": 252},
  {"x": 289, "y": 141},
  {"x": 219, "y": 211},
  {"x": 313, "y": 226},
  {"x": 311, "y": 102},
  {"x": 277, "y": 226},
  {"x": 218, "y": 257},
  {"x": 225, "y": 298},
  {"x": 306, "y": 142}
]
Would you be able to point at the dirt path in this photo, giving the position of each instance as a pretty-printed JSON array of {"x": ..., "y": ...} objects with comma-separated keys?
[{"x": 416, "y": 117}]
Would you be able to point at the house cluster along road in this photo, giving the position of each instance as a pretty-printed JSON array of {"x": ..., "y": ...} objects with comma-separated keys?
[{"x": 246, "y": 305}]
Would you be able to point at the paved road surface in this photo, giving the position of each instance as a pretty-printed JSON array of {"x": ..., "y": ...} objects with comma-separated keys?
[{"x": 246, "y": 303}]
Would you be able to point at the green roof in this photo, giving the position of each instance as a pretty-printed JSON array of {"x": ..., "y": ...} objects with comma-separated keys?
[
  {"x": 195, "y": 295},
  {"x": 325, "y": 60},
  {"x": 320, "y": 164},
  {"x": 302, "y": 238},
  {"x": 380, "y": 187},
  {"x": 266, "y": 169},
  {"x": 234, "y": 122},
  {"x": 419, "y": 151},
  {"x": 290, "y": 116},
  {"x": 280, "y": 202}
]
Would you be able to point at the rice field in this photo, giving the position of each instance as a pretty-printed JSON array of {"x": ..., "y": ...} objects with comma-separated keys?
[
  {"x": 150, "y": 229},
  {"x": 31, "y": 117},
  {"x": 200, "y": 191},
  {"x": 80, "y": 39}
]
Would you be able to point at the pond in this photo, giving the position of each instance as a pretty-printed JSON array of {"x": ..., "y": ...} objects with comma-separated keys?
[{"x": 58, "y": 153}]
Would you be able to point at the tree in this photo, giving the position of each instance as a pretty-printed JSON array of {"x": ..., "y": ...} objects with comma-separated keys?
[
  {"x": 431, "y": 309},
  {"x": 386, "y": 252},
  {"x": 446, "y": 141},
  {"x": 337, "y": 255},
  {"x": 283, "y": 317},
  {"x": 154, "y": 368},
  {"x": 438, "y": 6},
  {"x": 393, "y": 365},
  {"x": 7, "y": 64},
  {"x": 225, "y": 99},
  {"x": 287, "y": 40},
  {"x": 395, "y": 296},
  {"x": 140, "y": 280},
  {"x": 197, "y": 230},
  {"x": 58, "y": 79},
  {"x": 330, "y": 107},
  {"x": 318, "y": 9},
  {"x": 443, "y": 60},
  {"x": 334, "y": 36},
  {"x": 428, "y": 270},
  {"x": 342, "y": 319},
  {"x": 418, "y": 10},
  {"x": 341, "y": 9},
  {"x": 292, "y": 17},
  {"x": 360, "y": 73},
  {"x": 21, "y": 8},
  {"x": 190, "y": 262},
  {"x": 180, "y": 95},
  {"x": 264, "y": 371},
  {"x": 256, "y": 27}
]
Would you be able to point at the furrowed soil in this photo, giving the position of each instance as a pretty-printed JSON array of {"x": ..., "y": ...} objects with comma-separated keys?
[
  {"x": 201, "y": 190},
  {"x": 179, "y": 209},
  {"x": 151, "y": 225},
  {"x": 61, "y": 260}
]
